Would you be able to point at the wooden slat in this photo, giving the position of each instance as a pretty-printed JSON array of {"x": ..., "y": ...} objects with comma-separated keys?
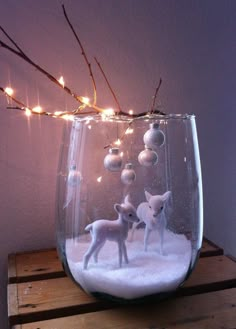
[
  {"x": 44, "y": 264},
  {"x": 35, "y": 265},
  {"x": 212, "y": 310},
  {"x": 61, "y": 297},
  {"x": 46, "y": 299},
  {"x": 211, "y": 273},
  {"x": 12, "y": 301}
]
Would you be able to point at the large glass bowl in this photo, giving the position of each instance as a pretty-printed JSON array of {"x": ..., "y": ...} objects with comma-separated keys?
[{"x": 129, "y": 204}]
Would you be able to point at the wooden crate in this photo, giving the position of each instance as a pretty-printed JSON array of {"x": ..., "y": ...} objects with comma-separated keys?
[{"x": 40, "y": 296}]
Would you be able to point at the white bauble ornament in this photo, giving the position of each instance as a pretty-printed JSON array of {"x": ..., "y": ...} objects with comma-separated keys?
[
  {"x": 128, "y": 175},
  {"x": 74, "y": 177},
  {"x": 154, "y": 137},
  {"x": 113, "y": 160},
  {"x": 147, "y": 157}
]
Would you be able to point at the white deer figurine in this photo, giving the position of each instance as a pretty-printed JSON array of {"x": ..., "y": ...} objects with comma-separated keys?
[
  {"x": 153, "y": 215},
  {"x": 112, "y": 230}
]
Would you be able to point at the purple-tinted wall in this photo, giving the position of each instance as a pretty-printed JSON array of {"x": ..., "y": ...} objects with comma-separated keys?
[{"x": 190, "y": 44}]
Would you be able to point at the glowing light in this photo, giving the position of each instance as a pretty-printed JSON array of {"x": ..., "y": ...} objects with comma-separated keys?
[
  {"x": 9, "y": 91},
  {"x": 68, "y": 117},
  {"x": 37, "y": 109},
  {"x": 99, "y": 179},
  {"x": 117, "y": 142},
  {"x": 129, "y": 131},
  {"x": 109, "y": 112},
  {"x": 61, "y": 81},
  {"x": 131, "y": 112},
  {"x": 85, "y": 100},
  {"x": 58, "y": 113},
  {"x": 28, "y": 112},
  {"x": 121, "y": 154}
]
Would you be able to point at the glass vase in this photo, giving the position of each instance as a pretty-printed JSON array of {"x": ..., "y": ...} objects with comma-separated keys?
[{"x": 129, "y": 204}]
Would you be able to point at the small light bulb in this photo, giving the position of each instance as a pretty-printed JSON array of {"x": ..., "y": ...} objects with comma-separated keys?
[
  {"x": 99, "y": 179},
  {"x": 9, "y": 91},
  {"x": 61, "y": 81},
  {"x": 122, "y": 154},
  {"x": 68, "y": 117},
  {"x": 28, "y": 112},
  {"x": 109, "y": 112},
  {"x": 57, "y": 113},
  {"x": 131, "y": 112},
  {"x": 117, "y": 142},
  {"x": 37, "y": 109},
  {"x": 85, "y": 100},
  {"x": 89, "y": 127},
  {"x": 129, "y": 131}
]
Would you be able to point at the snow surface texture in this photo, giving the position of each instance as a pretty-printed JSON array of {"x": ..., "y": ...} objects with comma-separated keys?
[{"x": 147, "y": 273}]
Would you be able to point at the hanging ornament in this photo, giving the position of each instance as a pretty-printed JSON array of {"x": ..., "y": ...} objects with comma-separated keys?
[
  {"x": 74, "y": 177},
  {"x": 147, "y": 157},
  {"x": 128, "y": 175},
  {"x": 154, "y": 137},
  {"x": 113, "y": 160}
]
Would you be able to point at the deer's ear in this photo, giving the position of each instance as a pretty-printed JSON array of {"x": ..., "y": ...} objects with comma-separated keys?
[
  {"x": 118, "y": 208},
  {"x": 147, "y": 195},
  {"x": 166, "y": 196}
]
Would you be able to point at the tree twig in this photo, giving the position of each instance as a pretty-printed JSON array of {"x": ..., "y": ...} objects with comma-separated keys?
[
  {"x": 83, "y": 54},
  {"x": 155, "y": 96},
  {"x": 23, "y": 56},
  {"x": 108, "y": 84}
]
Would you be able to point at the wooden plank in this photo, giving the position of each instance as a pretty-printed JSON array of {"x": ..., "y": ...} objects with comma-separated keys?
[
  {"x": 44, "y": 264},
  {"x": 211, "y": 273},
  {"x": 212, "y": 310},
  {"x": 46, "y": 299},
  {"x": 12, "y": 301},
  {"x": 35, "y": 265}
]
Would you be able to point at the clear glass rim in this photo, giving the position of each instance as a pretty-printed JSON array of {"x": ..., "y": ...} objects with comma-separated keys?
[{"x": 147, "y": 116}]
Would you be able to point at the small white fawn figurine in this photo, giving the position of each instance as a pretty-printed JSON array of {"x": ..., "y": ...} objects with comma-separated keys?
[
  {"x": 112, "y": 230},
  {"x": 153, "y": 215}
]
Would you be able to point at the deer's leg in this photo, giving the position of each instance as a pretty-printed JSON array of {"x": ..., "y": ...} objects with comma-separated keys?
[
  {"x": 162, "y": 231},
  {"x": 125, "y": 252},
  {"x": 120, "y": 249},
  {"x": 146, "y": 237},
  {"x": 132, "y": 231},
  {"x": 95, "y": 255},
  {"x": 93, "y": 247}
]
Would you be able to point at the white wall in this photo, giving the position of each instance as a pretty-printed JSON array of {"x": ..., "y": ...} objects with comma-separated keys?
[{"x": 190, "y": 44}]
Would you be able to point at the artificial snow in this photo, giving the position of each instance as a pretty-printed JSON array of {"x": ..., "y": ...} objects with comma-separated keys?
[{"x": 147, "y": 272}]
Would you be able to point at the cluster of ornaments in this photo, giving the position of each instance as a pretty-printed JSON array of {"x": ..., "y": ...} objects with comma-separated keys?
[{"x": 153, "y": 138}]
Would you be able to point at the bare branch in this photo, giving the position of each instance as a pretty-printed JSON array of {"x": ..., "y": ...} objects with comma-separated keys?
[
  {"x": 108, "y": 83},
  {"x": 155, "y": 96},
  {"x": 12, "y": 41},
  {"x": 13, "y": 98},
  {"x": 83, "y": 54}
]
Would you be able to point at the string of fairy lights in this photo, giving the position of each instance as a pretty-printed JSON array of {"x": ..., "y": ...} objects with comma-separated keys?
[
  {"x": 9, "y": 92},
  {"x": 85, "y": 103}
]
